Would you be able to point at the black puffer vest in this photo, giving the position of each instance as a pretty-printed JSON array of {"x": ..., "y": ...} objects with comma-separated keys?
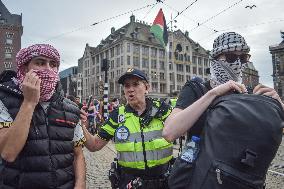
[{"x": 46, "y": 161}]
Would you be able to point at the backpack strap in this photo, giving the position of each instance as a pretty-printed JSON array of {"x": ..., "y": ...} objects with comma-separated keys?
[{"x": 199, "y": 90}]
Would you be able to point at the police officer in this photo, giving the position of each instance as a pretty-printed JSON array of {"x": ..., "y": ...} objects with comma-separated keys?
[{"x": 143, "y": 155}]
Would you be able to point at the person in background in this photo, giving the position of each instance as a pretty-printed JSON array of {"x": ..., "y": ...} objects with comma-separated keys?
[
  {"x": 78, "y": 102},
  {"x": 115, "y": 103},
  {"x": 143, "y": 154},
  {"x": 91, "y": 118},
  {"x": 173, "y": 100},
  {"x": 41, "y": 141}
]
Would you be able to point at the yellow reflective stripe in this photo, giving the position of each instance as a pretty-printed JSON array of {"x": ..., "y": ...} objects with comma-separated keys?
[
  {"x": 136, "y": 137},
  {"x": 5, "y": 124},
  {"x": 159, "y": 143},
  {"x": 141, "y": 164},
  {"x": 156, "y": 154}
]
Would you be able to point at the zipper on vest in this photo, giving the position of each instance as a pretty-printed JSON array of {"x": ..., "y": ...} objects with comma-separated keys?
[
  {"x": 36, "y": 130},
  {"x": 143, "y": 145},
  {"x": 52, "y": 164}
]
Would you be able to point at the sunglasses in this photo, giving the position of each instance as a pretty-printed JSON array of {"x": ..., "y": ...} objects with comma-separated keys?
[{"x": 230, "y": 57}]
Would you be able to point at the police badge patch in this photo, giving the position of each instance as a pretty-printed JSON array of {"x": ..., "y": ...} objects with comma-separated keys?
[{"x": 122, "y": 133}]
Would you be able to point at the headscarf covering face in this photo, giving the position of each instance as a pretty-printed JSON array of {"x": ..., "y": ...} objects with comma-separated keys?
[
  {"x": 222, "y": 71},
  {"x": 49, "y": 78}
]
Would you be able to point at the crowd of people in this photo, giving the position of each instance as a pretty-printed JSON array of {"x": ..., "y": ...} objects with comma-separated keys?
[{"x": 42, "y": 133}]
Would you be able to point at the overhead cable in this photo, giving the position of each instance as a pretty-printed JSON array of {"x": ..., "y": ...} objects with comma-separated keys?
[
  {"x": 98, "y": 22},
  {"x": 212, "y": 17}
]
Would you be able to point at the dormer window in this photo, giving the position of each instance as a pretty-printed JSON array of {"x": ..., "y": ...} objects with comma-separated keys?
[{"x": 2, "y": 21}]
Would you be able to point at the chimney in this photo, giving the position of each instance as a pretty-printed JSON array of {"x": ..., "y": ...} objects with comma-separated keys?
[
  {"x": 112, "y": 30},
  {"x": 186, "y": 33},
  {"x": 132, "y": 18}
]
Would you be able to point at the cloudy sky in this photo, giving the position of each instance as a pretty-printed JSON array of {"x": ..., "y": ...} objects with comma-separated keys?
[{"x": 66, "y": 24}]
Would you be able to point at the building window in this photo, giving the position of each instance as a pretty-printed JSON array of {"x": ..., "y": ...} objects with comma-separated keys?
[
  {"x": 145, "y": 51},
  {"x": 9, "y": 41},
  {"x": 117, "y": 62},
  {"x": 8, "y": 55},
  {"x": 161, "y": 54},
  {"x": 136, "y": 49},
  {"x": 117, "y": 50},
  {"x": 2, "y": 21},
  {"x": 194, "y": 70},
  {"x": 112, "y": 52},
  {"x": 112, "y": 64},
  {"x": 194, "y": 59},
  {"x": 180, "y": 57},
  {"x": 205, "y": 62},
  {"x": 128, "y": 60},
  {"x": 154, "y": 87},
  {"x": 145, "y": 63},
  {"x": 9, "y": 35},
  {"x": 111, "y": 88},
  {"x": 162, "y": 76},
  {"x": 154, "y": 64},
  {"x": 162, "y": 88},
  {"x": 199, "y": 61},
  {"x": 200, "y": 70},
  {"x": 136, "y": 61},
  {"x": 171, "y": 76},
  {"x": 121, "y": 60},
  {"x": 187, "y": 68},
  {"x": 128, "y": 47},
  {"x": 180, "y": 78},
  {"x": 121, "y": 48},
  {"x": 180, "y": 67},
  {"x": 187, "y": 77},
  {"x": 8, "y": 50},
  {"x": 170, "y": 66},
  {"x": 106, "y": 55},
  {"x": 188, "y": 58},
  {"x": 8, "y": 65},
  {"x": 97, "y": 59},
  {"x": 154, "y": 75},
  {"x": 153, "y": 52},
  {"x": 162, "y": 65}
]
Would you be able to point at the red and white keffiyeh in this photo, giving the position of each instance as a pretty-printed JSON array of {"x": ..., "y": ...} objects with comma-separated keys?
[{"x": 49, "y": 78}]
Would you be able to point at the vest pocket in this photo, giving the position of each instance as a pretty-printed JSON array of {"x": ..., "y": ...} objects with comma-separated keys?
[{"x": 223, "y": 176}]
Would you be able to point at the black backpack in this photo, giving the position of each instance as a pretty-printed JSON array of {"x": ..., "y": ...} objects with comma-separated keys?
[{"x": 241, "y": 136}]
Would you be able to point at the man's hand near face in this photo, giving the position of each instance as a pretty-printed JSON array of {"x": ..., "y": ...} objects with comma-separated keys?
[{"x": 31, "y": 88}]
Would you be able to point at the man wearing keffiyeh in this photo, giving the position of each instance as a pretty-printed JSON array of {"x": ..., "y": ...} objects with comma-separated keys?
[
  {"x": 228, "y": 58},
  {"x": 40, "y": 138}
]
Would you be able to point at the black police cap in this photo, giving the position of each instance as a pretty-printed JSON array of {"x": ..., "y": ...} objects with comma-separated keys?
[{"x": 132, "y": 72}]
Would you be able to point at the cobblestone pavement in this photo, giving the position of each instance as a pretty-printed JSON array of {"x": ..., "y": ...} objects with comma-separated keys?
[{"x": 98, "y": 164}]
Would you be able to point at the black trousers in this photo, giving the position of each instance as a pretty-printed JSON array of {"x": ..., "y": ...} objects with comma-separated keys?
[{"x": 153, "y": 178}]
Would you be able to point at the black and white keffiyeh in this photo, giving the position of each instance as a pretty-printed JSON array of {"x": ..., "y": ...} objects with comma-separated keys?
[
  {"x": 222, "y": 71},
  {"x": 229, "y": 42}
]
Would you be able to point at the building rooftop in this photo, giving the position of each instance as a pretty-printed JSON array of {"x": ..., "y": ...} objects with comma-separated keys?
[{"x": 7, "y": 18}]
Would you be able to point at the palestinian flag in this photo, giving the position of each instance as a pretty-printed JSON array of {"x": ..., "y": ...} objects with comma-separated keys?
[{"x": 159, "y": 28}]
